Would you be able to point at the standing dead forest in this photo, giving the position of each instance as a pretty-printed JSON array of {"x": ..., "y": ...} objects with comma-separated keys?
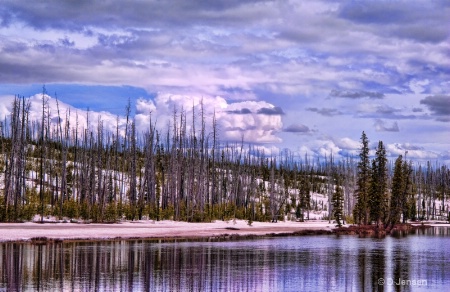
[{"x": 53, "y": 168}]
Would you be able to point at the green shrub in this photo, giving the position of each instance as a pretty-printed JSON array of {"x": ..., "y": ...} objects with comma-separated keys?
[
  {"x": 70, "y": 209},
  {"x": 95, "y": 214},
  {"x": 348, "y": 219},
  {"x": 84, "y": 210},
  {"x": 110, "y": 213}
]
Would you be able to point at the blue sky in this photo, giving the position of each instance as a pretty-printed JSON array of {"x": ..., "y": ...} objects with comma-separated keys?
[{"x": 305, "y": 75}]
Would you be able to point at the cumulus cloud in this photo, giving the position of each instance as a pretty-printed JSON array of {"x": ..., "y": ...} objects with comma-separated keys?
[
  {"x": 380, "y": 126},
  {"x": 348, "y": 144},
  {"x": 252, "y": 127},
  {"x": 235, "y": 121},
  {"x": 412, "y": 151},
  {"x": 241, "y": 51},
  {"x": 77, "y": 118},
  {"x": 327, "y": 149},
  {"x": 145, "y": 107},
  {"x": 418, "y": 86}
]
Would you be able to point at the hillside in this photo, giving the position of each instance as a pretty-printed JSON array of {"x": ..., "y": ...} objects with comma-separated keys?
[{"x": 54, "y": 167}]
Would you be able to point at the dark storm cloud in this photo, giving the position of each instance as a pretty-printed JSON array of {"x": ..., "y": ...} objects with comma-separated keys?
[
  {"x": 242, "y": 111},
  {"x": 438, "y": 104},
  {"x": 385, "y": 112},
  {"x": 380, "y": 12},
  {"x": 76, "y": 15},
  {"x": 356, "y": 94},
  {"x": 297, "y": 128},
  {"x": 422, "y": 33},
  {"x": 328, "y": 112},
  {"x": 402, "y": 19},
  {"x": 270, "y": 111}
]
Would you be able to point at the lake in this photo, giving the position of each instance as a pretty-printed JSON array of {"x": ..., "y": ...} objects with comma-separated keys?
[{"x": 419, "y": 261}]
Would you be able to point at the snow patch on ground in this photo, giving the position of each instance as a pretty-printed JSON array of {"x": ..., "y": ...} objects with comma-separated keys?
[{"x": 150, "y": 229}]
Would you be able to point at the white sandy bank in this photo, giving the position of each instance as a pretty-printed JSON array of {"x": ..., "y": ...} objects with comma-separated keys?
[{"x": 150, "y": 229}]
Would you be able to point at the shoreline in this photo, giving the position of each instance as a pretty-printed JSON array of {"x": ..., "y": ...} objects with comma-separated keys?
[
  {"x": 47, "y": 232},
  {"x": 34, "y": 232}
]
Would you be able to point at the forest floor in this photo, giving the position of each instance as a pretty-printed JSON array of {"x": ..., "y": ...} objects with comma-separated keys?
[{"x": 147, "y": 229}]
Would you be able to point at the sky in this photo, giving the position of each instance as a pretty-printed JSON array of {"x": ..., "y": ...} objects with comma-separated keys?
[{"x": 309, "y": 76}]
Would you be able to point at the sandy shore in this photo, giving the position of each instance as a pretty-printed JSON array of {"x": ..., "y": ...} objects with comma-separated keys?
[
  {"x": 22, "y": 232},
  {"x": 150, "y": 229}
]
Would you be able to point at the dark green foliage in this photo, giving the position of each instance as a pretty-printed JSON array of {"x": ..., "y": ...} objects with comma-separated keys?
[
  {"x": 378, "y": 187},
  {"x": 70, "y": 209},
  {"x": 85, "y": 210},
  {"x": 338, "y": 202},
  {"x": 110, "y": 214},
  {"x": 398, "y": 192},
  {"x": 361, "y": 210},
  {"x": 407, "y": 197}
]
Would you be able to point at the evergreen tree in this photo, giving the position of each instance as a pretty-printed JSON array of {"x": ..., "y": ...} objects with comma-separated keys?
[
  {"x": 398, "y": 188},
  {"x": 407, "y": 195},
  {"x": 338, "y": 203},
  {"x": 361, "y": 210},
  {"x": 378, "y": 186}
]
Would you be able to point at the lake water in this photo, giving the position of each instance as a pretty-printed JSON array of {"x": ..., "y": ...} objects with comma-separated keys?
[{"x": 416, "y": 262}]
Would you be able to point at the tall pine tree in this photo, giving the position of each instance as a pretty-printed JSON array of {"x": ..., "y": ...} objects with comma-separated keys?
[
  {"x": 407, "y": 195},
  {"x": 378, "y": 186},
  {"x": 338, "y": 202},
  {"x": 361, "y": 210},
  {"x": 398, "y": 190}
]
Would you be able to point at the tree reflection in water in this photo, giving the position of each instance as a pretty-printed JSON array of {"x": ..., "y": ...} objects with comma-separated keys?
[{"x": 289, "y": 263}]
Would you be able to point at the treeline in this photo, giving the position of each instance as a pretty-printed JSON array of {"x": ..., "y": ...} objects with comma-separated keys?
[
  {"x": 387, "y": 195},
  {"x": 186, "y": 173}
]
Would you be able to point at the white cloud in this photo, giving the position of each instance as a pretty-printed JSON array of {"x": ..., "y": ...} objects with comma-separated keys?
[
  {"x": 349, "y": 144},
  {"x": 74, "y": 115},
  {"x": 418, "y": 86},
  {"x": 250, "y": 125},
  {"x": 235, "y": 121},
  {"x": 412, "y": 152}
]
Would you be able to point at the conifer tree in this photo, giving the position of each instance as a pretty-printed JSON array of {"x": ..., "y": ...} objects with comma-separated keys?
[
  {"x": 378, "y": 186},
  {"x": 361, "y": 210},
  {"x": 407, "y": 193},
  {"x": 338, "y": 202},
  {"x": 398, "y": 187}
]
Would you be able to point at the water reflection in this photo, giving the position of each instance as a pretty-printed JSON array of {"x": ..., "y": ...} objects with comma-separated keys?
[{"x": 309, "y": 263}]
